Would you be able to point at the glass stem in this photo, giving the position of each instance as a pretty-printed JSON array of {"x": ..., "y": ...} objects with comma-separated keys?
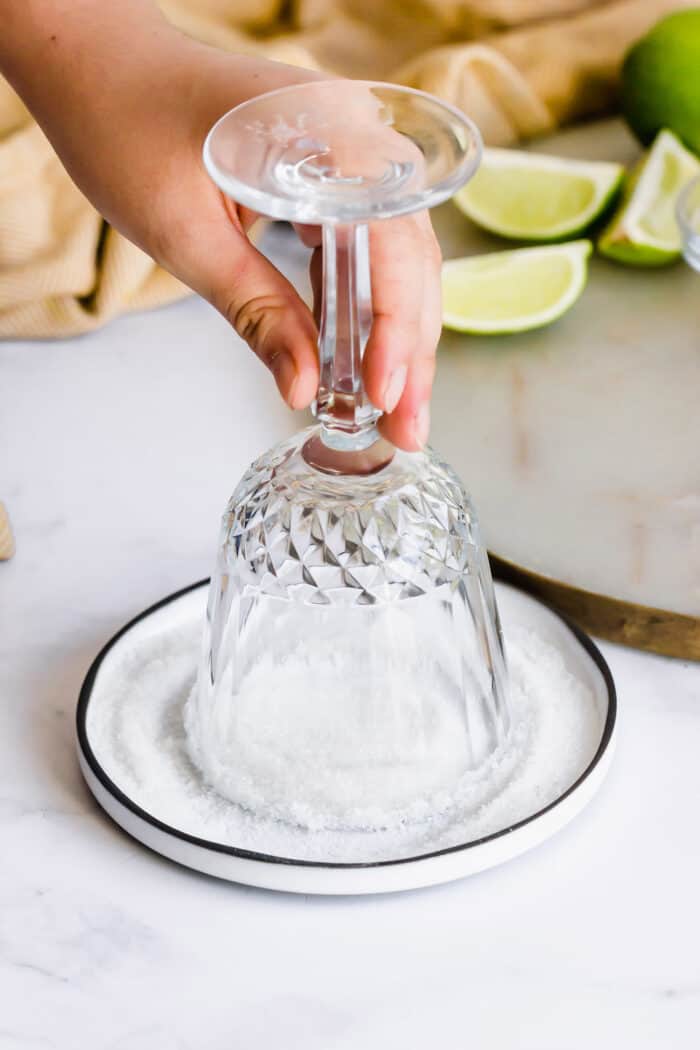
[{"x": 342, "y": 407}]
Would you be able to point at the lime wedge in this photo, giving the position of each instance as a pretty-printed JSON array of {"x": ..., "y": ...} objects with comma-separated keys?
[
  {"x": 644, "y": 231},
  {"x": 535, "y": 197},
  {"x": 513, "y": 291}
]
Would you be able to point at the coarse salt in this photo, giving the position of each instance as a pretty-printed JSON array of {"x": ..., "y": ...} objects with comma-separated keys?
[{"x": 136, "y": 729}]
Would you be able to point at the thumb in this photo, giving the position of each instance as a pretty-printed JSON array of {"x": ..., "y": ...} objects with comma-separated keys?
[{"x": 265, "y": 310}]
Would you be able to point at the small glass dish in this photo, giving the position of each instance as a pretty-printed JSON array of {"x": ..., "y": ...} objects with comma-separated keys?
[{"x": 688, "y": 216}]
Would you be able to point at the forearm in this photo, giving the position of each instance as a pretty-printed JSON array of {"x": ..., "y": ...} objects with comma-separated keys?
[
  {"x": 89, "y": 57},
  {"x": 90, "y": 72},
  {"x": 103, "y": 81},
  {"x": 56, "y": 51},
  {"x": 127, "y": 100}
]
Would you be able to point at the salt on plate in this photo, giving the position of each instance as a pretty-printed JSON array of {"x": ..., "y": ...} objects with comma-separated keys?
[{"x": 135, "y": 724}]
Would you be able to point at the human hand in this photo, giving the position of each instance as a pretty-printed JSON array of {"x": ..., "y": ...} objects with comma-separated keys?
[{"x": 132, "y": 141}]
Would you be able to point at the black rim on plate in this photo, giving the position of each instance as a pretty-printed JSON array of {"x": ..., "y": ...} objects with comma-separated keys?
[{"x": 267, "y": 858}]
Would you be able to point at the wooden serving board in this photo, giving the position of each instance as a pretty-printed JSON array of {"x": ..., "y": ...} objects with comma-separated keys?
[{"x": 580, "y": 442}]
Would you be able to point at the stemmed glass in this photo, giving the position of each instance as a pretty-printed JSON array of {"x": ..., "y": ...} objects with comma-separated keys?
[{"x": 352, "y": 672}]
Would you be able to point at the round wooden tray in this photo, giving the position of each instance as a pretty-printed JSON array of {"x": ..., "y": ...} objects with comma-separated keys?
[{"x": 581, "y": 442}]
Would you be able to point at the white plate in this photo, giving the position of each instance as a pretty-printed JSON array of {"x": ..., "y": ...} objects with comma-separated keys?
[{"x": 227, "y": 861}]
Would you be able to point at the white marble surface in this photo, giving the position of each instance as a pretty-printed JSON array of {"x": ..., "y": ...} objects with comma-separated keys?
[
  {"x": 117, "y": 453},
  {"x": 580, "y": 440}
]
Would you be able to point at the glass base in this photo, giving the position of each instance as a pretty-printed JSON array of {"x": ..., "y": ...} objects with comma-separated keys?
[{"x": 352, "y": 673}]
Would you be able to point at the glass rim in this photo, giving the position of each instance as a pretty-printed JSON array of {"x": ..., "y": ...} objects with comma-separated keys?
[{"x": 292, "y": 210}]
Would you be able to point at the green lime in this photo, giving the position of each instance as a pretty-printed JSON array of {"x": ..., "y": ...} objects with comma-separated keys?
[
  {"x": 661, "y": 80},
  {"x": 513, "y": 291},
  {"x": 536, "y": 197},
  {"x": 644, "y": 230}
]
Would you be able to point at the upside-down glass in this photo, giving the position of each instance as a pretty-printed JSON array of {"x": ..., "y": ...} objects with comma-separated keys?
[
  {"x": 688, "y": 215},
  {"x": 352, "y": 672}
]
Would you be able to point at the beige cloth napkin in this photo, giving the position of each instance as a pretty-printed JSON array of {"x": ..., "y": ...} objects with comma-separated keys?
[
  {"x": 7, "y": 543},
  {"x": 519, "y": 67}
]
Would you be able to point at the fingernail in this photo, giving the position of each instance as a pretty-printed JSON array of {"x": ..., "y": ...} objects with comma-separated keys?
[
  {"x": 284, "y": 370},
  {"x": 421, "y": 427},
  {"x": 394, "y": 388}
]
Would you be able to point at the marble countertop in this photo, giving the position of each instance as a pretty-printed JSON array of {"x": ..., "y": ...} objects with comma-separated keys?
[
  {"x": 118, "y": 452},
  {"x": 585, "y": 426}
]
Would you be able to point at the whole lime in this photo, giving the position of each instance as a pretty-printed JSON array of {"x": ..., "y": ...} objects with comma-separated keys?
[{"x": 661, "y": 80}]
